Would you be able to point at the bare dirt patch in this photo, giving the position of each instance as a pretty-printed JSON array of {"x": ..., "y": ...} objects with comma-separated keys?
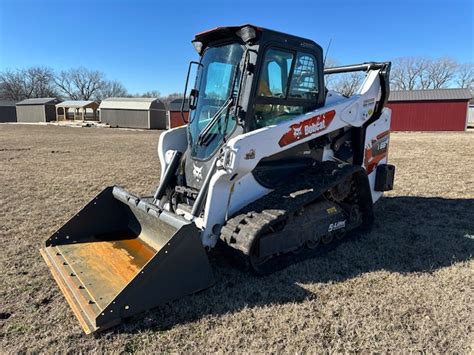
[{"x": 407, "y": 285}]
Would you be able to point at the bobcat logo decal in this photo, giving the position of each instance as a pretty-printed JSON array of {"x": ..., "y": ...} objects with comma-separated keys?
[
  {"x": 297, "y": 132},
  {"x": 306, "y": 128},
  {"x": 197, "y": 172}
]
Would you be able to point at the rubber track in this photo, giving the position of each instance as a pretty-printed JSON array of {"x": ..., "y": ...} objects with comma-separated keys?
[{"x": 241, "y": 230}]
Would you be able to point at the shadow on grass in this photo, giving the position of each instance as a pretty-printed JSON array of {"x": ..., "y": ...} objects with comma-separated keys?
[{"x": 410, "y": 234}]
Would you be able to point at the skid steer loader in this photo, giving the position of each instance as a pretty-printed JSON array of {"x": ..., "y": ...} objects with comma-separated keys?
[{"x": 271, "y": 164}]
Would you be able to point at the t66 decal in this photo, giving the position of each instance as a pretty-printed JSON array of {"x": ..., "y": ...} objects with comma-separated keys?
[{"x": 376, "y": 150}]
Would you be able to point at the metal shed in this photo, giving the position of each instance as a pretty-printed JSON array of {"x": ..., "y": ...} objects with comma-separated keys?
[
  {"x": 37, "y": 110},
  {"x": 7, "y": 111},
  {"x": 470, "y": 118},
  {"x": 175, "y": 118},
  {"x": 429, "y": 110},
  {"x": 82, "y": 110},
  {"x": 148, "y": 113}
]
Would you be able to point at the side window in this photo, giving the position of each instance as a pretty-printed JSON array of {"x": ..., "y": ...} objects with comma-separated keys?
[
  {"x": 292, "y": 93},
  {"x": 304, "y": 83},
  {"x": 275, "y": 72},
  {"x": 275, "y": 84},
  {"x": 269, "y": 114}
]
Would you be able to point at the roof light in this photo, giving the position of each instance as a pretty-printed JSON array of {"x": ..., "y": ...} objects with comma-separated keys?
[
  {"x": 197, "y": 46},
  {"x": 247, "y": 33}
]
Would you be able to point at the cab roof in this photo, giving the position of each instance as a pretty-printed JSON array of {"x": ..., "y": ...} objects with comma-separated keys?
[{"x": 248, "y": 33}]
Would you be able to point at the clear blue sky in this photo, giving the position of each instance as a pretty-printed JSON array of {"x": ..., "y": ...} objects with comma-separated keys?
[{"x": 146, "y": 44}]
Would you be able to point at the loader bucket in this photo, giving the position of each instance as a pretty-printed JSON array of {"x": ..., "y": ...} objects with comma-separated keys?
[{"x": 121, "y": 255}]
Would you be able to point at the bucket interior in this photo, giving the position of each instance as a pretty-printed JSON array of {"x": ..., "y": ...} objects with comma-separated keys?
[{"x": 104, "y": 268}]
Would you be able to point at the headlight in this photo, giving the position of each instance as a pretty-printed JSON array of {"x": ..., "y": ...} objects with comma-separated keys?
[{"x": 227, "y": 159}]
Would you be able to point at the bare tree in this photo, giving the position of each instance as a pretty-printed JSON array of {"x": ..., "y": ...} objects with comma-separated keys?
[
  {"x": 80, "y": 83},
  {"x": 465, "y": 76},
  {"x": 167, "y": 99},
  {"x": 329, "y": 79},
  {"x": 440, "y": 72},
  {"x": 27, "y": 83},
  {"x": 152, "y": 93},
  {"x": 346, "y": 83},
  {"x": 350, "y": 83},
  {"x": 409, "y": 73},
  {"x": 155, "y": 93},
  {"x": 12, "y": 86},
  {"x": 423, "y": 81},
  {"x": 41, "y": 80},
  {"x": 111, "y": 89}
]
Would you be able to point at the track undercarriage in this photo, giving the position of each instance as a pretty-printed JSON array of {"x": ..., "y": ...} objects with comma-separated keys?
[{"x": 301, "y": 219}]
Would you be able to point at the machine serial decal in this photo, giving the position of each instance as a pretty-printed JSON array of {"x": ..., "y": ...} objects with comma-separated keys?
[
  {"x": 369, "y": 102},
  {"x": 375, "y": 151},
  {"x": 307, "y": 128}
]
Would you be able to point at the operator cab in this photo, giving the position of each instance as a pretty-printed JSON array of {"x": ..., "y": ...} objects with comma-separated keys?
[{"x": 247, "y": 78}]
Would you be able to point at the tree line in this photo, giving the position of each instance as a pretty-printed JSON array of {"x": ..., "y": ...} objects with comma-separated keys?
[
  {"x": 411, "y": 73},
  {"x": 73, "y": 84},
  {"x": 408, "y": 73}
]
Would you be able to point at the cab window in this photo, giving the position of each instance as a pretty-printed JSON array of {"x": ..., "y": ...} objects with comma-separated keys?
[
  {"x": 270, "y": 114},
  {"x": 288, "y": 86},
  {"x": 275, "y": 72},
  {"x": 304, "y": 82}
]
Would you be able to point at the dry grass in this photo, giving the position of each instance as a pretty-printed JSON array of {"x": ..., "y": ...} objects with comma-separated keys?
[{"x": 407, "y": 285}]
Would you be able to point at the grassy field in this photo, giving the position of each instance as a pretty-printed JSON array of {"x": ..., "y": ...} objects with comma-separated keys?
[{"x": 407, "y": 285}]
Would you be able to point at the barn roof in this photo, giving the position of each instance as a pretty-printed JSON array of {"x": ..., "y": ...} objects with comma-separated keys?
[
  {"x": 175, "y": 105},
  {"x": 430, "y": 95},
  {"x": 132, "y": 103},
  {"x": 39, "y": 101},
  {"x": 4, "y": 103},
  {"x": 78, "y": 104}
]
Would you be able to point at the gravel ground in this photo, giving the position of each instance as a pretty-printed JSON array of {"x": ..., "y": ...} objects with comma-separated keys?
[{"x": 405, "y": 286}]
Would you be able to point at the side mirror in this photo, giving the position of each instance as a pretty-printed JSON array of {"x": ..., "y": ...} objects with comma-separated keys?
[
  {"x": 193, "y": 98},
  {"x": 193, "y": 95}
]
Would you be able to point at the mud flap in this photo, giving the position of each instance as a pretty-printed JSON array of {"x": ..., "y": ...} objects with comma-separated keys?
[{"x": 120, "y": 255}]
